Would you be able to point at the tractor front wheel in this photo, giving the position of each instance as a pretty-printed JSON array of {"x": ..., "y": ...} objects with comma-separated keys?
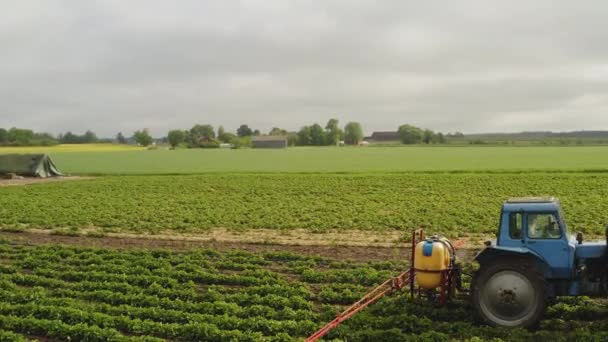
[{"x": 509, "y": 294}]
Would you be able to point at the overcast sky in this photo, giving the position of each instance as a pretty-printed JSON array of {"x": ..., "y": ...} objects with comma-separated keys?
[{"x": 475, "y": 66}]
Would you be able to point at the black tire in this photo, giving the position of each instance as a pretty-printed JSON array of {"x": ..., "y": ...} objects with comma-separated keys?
[{"x": 510, "y": 293}]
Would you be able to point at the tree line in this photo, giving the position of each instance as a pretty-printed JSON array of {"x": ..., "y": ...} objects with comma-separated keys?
[
  {"x": 25, "y": 137},
  {"x": 205, "y": 136},
  {"x": 332, "y": 134},
  {"x": 409, "y": 134},
  {"x": 313, "y": 135}
]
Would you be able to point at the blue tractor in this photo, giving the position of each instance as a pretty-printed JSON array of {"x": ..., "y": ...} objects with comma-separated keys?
[{"x": 532, "y": 260}]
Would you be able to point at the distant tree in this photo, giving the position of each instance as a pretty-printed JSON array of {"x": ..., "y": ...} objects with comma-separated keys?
[
  {"x": 25, "y": 137},
  {"x": 3, "y": 136},
  {"x": 89, "y": 137},
  {"x": 176, "y": 137},
  {"x": 304, "y": 137},
  {"x": 224, "y": 136},
  {"x": 143, "y": 137},
  {"x": 439, "y": 138},
  {"x": 275, "y": 131},
  {"x": 334, "y": 133},
  {"x": 257, "y": 132},
  {"x": 69, "y": 138},
  {"x": 202, "y": 132},
  {"x": 43, "y": 139},
  {"x": 427, "y": 136},
  {"x": 410, "y": 134},
  {"x": 244, "y": 131},
  {"x": 20, "y": 137},
  {"x": 332, "y": 124},
  {"x": 317, "y": 135},
  {"x": 353, "y": 133},
  {"x": 121, "y": 138},
  {"x": 227, "y": 137}
]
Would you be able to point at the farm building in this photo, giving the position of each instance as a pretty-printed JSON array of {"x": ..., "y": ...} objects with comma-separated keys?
[
  {"x": 383, "y": 136},
  {"x": 269, "y": 142},
  {"x": 28, "y": 165}
]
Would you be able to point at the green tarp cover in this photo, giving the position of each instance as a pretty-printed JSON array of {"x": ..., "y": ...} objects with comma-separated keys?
[{"x": 28, "y": 165}]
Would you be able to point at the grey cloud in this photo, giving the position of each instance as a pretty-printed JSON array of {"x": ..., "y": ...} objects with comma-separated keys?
[{"x": 470, "y": 65}]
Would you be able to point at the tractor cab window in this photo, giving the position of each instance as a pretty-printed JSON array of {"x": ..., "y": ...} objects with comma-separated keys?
[
  {"x": 515, "y": 226},
  {"x": 543, "y": 226}
]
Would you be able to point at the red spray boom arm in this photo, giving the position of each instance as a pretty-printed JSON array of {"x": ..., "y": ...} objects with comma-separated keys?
[{"x": 388, "y": 287}]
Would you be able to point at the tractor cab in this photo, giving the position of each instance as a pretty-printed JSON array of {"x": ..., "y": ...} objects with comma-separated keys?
[
  {"x": 536, "y": 226},
  {"x": 534, "y": 258}
]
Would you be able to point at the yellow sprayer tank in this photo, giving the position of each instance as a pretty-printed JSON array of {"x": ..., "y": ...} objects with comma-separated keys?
[{"x": 432, "y": 256}]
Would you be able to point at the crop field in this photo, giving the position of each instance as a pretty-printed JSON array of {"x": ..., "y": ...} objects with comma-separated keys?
[
  {"x": 243, "y": 292},
  {"x": 116, "y": 159},
  {"x": 454, "y": 204},
  {"x": 74, "y": 293}
]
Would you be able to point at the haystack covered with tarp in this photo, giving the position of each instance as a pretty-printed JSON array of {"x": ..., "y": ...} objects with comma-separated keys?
[{"x": 28, "y": 165}]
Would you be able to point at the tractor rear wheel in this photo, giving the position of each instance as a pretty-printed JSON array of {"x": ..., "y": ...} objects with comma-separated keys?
[{"x": 509, "y": 294}]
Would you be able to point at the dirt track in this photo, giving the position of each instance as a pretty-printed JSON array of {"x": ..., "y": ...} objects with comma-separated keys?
[{"x": 357, "y": 253}]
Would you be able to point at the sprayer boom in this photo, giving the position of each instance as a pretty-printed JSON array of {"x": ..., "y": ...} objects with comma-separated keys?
[{"x": 388, "y": 287}]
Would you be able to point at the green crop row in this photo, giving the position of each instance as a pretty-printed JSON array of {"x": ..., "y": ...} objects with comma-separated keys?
[
  {"x": 45, "y": 293},
  {"x": 454, "y": 204}
]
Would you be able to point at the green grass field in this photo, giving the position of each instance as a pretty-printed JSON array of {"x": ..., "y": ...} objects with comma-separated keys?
[{"x": 112, "y": 159}]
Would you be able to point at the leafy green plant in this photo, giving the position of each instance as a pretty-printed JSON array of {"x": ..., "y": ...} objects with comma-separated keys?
[
  {"x": 456, "y": 204},
  {"x": 87, "y": 294}
]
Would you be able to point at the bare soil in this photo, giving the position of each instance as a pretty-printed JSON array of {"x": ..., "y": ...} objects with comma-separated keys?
[
  {"x": 291, "y": 237},
  {"x": 355, "y": 253}
]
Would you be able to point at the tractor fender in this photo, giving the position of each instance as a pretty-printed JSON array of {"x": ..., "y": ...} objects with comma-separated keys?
[{"x": 495, "y": 254}]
